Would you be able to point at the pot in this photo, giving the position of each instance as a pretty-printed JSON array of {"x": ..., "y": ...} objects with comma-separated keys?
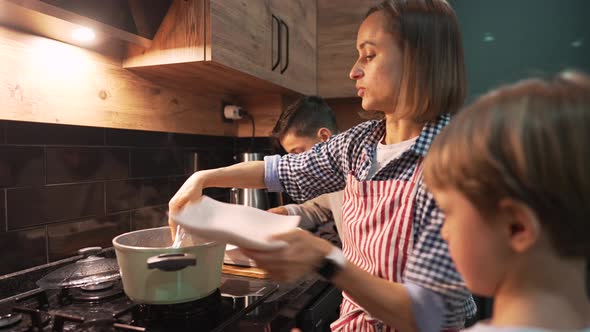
[{"x": 154, "y": 273}]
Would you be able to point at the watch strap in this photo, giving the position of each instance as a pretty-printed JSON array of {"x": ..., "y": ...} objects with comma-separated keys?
[{"x": 331, "y": 264}]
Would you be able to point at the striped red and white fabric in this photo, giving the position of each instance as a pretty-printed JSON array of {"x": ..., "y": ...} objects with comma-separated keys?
[{"x": 377, "y": 237}]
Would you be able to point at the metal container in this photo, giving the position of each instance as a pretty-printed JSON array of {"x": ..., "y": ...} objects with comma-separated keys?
[
  {"x": 257, "y": 198},
  {"x": 154, "y": 273}
]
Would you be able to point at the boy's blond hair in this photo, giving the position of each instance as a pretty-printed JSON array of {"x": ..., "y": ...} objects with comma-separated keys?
[{"x": 529, "y": 141}]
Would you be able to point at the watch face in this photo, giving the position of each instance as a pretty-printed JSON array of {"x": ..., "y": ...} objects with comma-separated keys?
[{"x": 328, "y": 269}]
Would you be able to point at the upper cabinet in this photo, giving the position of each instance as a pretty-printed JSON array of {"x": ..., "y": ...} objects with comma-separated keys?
[
  {"x": 338, "y": 22},
  {"x": 298, "y": 51},
  {"x": 233, "y": 46}
]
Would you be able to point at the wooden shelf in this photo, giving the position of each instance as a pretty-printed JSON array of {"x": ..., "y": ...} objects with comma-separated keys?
[
  {"x": 49, "y": 21},
  {"x": 219, "y": 79}
]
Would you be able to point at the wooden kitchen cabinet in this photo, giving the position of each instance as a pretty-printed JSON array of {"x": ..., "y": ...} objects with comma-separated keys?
[
  {"x": 240, "y": 36},
  {"x": 338, "y": 23},
  {"x": 231, "y": 46},
  {"x": 298, "y": 61}
]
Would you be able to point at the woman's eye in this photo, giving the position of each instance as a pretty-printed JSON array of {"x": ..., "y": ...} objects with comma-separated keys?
[{"x": 369, "y": 57}]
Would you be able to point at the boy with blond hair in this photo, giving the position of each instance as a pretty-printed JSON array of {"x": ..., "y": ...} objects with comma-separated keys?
[{"x": 511, "y": 173}]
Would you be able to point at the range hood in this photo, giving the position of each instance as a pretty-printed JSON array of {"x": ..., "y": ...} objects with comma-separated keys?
[{"x": 133, "y": 21}]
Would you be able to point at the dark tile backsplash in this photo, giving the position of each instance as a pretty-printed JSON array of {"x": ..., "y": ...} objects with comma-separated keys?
[
  {"x": 78, "y": 164},
  {"x": 2, "y": 211},
  {"x": 265, "y": 145},
  {"x": 49, "y": 204},
  {"x": 202, "y": 142},
  {"x": 122, "y": 137},
  {"x": 67, "y": 187},
  {"x": 135, "y": 194},
  {"x": 66, "y": 238},
  {"x": 209, "y": 159},
  {"x": 157, "y": 162},
  {"x": 22, "y": 249},
  {"x": 21, "y": 166},
  {"x": 149, "y": 217},
  {"x": 2, "y": 135},
  {"x": 51, "y": 134}
]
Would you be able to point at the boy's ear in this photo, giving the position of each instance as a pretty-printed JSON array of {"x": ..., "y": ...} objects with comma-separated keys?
[
  {"x": 324, "y": 134},
  {"x": 522, "y": 225}
]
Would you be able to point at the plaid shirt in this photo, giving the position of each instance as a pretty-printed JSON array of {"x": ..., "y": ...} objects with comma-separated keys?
[{"x": 324, "y": 169}]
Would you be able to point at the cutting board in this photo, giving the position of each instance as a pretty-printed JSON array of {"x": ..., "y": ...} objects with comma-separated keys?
[{"x": 252, "y": 272}]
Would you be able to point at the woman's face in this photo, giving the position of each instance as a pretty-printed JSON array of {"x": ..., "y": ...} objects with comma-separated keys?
[{"x": 378, "y": 70}]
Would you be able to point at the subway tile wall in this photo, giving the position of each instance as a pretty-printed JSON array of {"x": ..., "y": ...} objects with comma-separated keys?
[{"x": 63, "y": 187}]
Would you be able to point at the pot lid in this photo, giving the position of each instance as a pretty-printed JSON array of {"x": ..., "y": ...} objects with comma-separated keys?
[{"x": 87, "y": 271}]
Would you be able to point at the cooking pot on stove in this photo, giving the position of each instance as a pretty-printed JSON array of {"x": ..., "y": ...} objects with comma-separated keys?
[{"x": 154, "y": 273}]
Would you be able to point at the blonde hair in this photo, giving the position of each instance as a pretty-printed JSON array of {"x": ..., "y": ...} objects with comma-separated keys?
[{"x": 529, "y": 141}]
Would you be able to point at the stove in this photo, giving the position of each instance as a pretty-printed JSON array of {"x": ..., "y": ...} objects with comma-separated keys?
[{"x": 104, "y": 307}]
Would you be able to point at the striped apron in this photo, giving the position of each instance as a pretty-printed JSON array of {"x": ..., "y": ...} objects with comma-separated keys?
[{"x": 377, "y": 220}]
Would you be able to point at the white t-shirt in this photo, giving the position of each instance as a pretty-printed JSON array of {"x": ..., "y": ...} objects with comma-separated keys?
[
  {"x": 483, "y": 327},
  {"x": 387, "y": 153}
]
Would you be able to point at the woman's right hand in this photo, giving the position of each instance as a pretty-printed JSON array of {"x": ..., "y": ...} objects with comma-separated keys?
[
  {"x": 190, "y": 191},
  {"x": 249, "y": 174}
]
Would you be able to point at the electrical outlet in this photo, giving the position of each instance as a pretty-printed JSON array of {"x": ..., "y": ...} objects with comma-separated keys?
[{"x": 231, "y": 112}]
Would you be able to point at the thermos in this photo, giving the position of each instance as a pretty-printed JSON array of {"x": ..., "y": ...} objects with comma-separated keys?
[{"x": 257, "y": 198}]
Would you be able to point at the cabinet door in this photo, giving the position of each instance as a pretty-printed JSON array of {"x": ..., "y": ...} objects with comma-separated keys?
[
  {"x": 298, "y": 56},
  {"x": 240, "y": 36},
  {"x": 338, "y": 22}
]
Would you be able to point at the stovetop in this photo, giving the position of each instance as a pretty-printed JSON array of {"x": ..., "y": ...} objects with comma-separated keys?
[{"x": 108, "y": 309}]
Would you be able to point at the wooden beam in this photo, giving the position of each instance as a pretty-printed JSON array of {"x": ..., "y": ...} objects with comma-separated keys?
[
  {"x": 206, "y": 78},
  {"x": 43, "y": 80}
]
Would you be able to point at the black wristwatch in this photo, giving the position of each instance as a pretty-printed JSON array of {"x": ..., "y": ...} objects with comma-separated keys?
[{"x": 332, "y": 264}]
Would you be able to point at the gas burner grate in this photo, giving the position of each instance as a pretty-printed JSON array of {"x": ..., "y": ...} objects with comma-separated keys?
[
  {"x": 9, "y": 320},
  {"x": 94, "y": 294},
  {"x": 35, "y": 319},
  {"x": 198, "y": 308}
]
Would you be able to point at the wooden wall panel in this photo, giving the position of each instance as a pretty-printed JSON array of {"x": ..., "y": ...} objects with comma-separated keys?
[
  {"x": 348, "y": 112},
  {"x": 265, "y": 109},
  {"x": 338, "y": 22},
  {"x": 43, "y": 80}
]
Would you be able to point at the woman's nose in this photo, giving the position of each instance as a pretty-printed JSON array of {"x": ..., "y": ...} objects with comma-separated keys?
[{"x": 355, "y": 73}]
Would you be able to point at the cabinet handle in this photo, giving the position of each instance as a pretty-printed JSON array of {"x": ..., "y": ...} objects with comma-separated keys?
[
  {"x": 287, "y": 34},
  {"x": 276, "y": 64}
]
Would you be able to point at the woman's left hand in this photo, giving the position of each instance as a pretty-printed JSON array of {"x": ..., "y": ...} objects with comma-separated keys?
[{"x": 302, "y": 255}]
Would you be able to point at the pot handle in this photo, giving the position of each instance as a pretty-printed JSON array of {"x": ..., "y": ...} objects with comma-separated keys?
[{"x": 171, "y": 262}]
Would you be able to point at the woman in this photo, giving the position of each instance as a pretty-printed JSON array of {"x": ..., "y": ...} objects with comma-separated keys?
[{"x": 395, "y": 269}]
